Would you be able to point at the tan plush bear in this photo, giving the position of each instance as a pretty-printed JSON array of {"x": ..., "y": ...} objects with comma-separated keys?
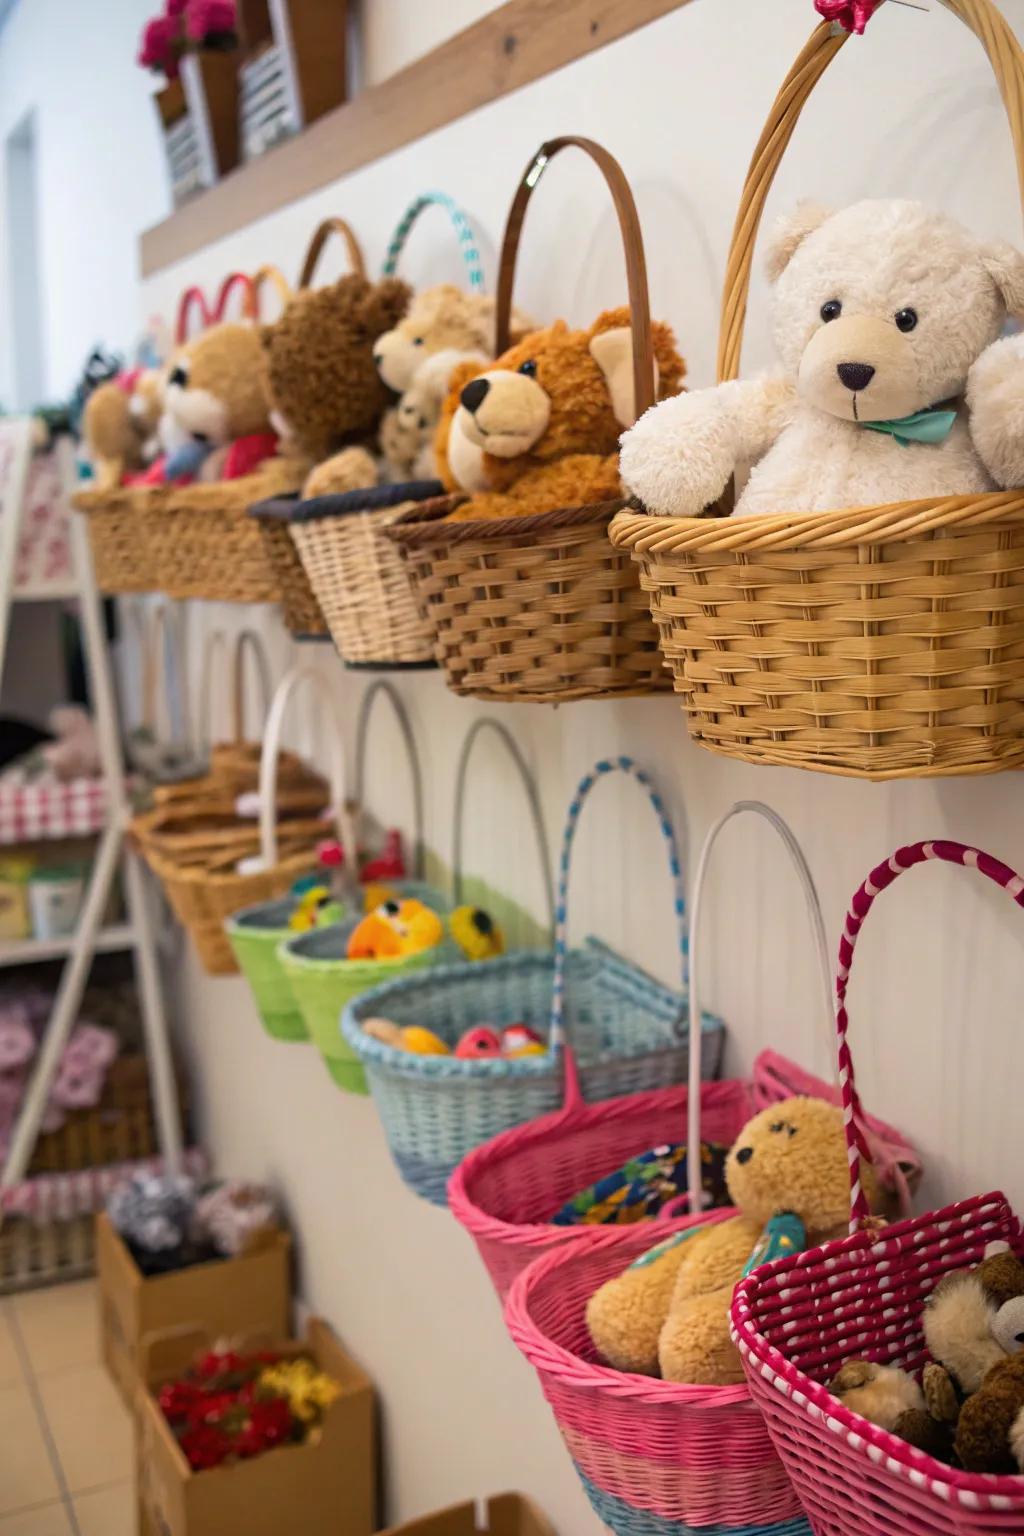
[
  {"x": 539, "y": 429},
  {"x": 215, "y": 396},
  {"x": 112, "y": 437},
  {"x": 668, "y": 1314}
]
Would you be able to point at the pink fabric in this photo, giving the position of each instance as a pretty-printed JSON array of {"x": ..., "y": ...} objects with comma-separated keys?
[{"x": 852, "y": 15}]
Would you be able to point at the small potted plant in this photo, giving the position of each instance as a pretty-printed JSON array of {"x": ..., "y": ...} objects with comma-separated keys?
[{"x": 193, "y": 44}]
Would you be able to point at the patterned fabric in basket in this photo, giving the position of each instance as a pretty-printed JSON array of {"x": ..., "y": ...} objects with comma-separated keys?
[{"x": 629, "y": 1034}]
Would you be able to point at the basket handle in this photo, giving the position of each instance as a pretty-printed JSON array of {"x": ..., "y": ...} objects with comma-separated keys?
[
  {"x": 382, "y": 687},
  {"x": 558, "y": 1039},
  {"x": 468, "y": 246},
  {"x": 644, "y": 383},
  {"x": 160, "y": 624},
  {"x": 817, "y": 921},
  {"x": 996, "y": 36},
  {"x": 242, "y": 283},
  {"x": 247, "y": 640},
  {"x": 879, "y": 880},
  {"x": 508, "y": 741},
  {"x": 270, "y": 276},
  {"x": 321, "y": 235},
  {"x": 269, "y": 759},
  {"x": 192, "y": 299}
]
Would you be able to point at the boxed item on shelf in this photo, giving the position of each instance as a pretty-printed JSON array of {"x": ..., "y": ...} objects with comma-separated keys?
[
  {"x": 248, "y": 1294},
  {"x": 507, "y": 1514},
  {"x": 325, "y": 1483}
]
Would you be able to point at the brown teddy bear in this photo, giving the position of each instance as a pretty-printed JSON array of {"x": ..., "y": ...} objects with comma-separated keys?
[
  {"x": 668, "y": 1314},
  {"x": 214, "y": 400},
  {"x": 540, "y": 428},
  {"x": 969, "y": 1409}
]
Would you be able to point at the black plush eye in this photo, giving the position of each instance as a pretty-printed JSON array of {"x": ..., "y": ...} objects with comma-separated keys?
[
  {"x": 831, "y": 310},
  {"x": 417, "y": 341},
  {"x": 782, "y": 1125},
  {"x": 906, "y": 319},
  {"x": 178, "y": 376},
  {"x": 529, "y": 368}
]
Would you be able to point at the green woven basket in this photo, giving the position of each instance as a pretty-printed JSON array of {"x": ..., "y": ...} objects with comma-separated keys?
[
  {"x": 323, "y": 982},
  {"x": 256, "y": 934}
]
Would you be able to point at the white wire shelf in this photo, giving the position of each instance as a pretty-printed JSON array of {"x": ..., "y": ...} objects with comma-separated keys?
[{"x": 23, "y": 951}]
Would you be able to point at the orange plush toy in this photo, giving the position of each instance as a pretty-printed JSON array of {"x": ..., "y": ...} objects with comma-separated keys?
[{"x": 539, "y": 429}]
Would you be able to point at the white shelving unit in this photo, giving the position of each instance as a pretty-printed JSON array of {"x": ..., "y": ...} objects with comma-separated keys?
[{"x": 91, "y": 936}]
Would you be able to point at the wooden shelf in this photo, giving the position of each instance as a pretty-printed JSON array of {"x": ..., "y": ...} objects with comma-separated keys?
[
  {"x": 21, "y": 951},
  {"x": 519, "y": 42}
]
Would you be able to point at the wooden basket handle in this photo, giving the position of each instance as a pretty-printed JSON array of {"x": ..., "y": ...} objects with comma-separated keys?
[
  {"x": 644, "y": 388},
  {"x": 994, "y": 33},
  {"x": 270, "y": 276},
  {"x": 192, "y": 299},
  {"x": 321, "y": 235}
]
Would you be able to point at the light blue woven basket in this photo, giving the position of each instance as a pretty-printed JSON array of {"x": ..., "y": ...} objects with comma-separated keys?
[{"x": 629, "y": 1033}]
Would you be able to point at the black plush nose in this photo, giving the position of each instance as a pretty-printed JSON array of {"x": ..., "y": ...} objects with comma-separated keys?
[
  {"x": 178, "y": 376},
  {"x": 378, "y": 358},
  {"x": 475, "y": 393},
  {"x": 856, "y": 376},
  {"x": 744, "y": 1154}
]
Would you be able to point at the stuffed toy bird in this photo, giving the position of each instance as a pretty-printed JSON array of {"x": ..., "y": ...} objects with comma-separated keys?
[
  {"x": 476, "y": 933},
  {"x": 394, "y": 930}
]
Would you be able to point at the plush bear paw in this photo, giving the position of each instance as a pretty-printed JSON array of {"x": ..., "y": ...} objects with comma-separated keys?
[
  {"x": 353, "y": 469},
  {"x": 679, "y": 456},
  {"x": 995, "y": 396},
  {"x": 695, "y": 1346}
]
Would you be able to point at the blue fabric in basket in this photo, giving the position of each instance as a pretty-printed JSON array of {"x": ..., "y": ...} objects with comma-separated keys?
[
  {"x": 624, "y": 1520},
  {"x": 629, "y": 1034}
]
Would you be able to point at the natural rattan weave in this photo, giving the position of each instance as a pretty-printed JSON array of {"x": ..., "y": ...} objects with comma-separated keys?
[
  {"x": 885, "y": 642},
  {"x": 358, "y": 576},
  {"x": 539, "y": 609},
  {"x": 542, "y": 608},
  {"x": 127, "y": 534},
  {"x": 302, "y": 614}
]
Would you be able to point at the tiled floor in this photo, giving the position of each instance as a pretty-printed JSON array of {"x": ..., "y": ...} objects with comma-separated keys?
[{"x": 65, "y": 1435}]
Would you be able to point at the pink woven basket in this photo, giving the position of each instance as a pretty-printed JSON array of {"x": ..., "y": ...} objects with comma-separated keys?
[
  {"x": 796, "y": 1320},
  {"x": 655, "y": 1458}
]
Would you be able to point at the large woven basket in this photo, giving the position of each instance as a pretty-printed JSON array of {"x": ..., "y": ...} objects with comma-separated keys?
[
  {"x": 358, "y": 577},
  {"x": 653, "y": 1456},
  {"x": 541, "y": 608},
  {"x": 796, "y": 1321},
  {"x": 629, "y": 1034},
  {"x": 877, "y": 643}
]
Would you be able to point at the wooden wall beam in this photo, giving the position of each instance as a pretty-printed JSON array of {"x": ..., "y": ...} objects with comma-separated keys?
[{"x": 519, "y": 42}]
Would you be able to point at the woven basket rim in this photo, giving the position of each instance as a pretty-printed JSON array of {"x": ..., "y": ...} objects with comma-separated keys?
[
  {"x": 220, "y": 495},
  {"x": 758, "y": 1352},
  {"x": 120, "y": 498},
  {"x": 415, "y": 530},
  {"x": 374, "y": 498},
  {"x": 644, "y": 533}
]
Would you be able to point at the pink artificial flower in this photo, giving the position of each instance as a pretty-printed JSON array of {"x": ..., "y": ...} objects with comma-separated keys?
[
  {"x": 206, "y": 17},
  {"x": 175, "y": 8},
  {"x": 17, "y": 1041},
  {"x": 852, "y": 15},
  {"x": 89, "y": 1047},
  {"x": 157, "y": 49},
  {"x": 77, "y": 1087}
]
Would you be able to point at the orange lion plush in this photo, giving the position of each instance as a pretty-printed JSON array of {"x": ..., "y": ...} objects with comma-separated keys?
[{"x": 539, "y": 429}]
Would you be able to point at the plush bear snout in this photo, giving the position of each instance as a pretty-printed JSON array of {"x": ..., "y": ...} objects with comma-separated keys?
[
  {"x": 504, "y": 412},
  {"x": 474, "y": 394}
]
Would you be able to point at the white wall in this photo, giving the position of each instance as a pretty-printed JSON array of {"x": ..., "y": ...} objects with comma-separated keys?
[
  {"x": 936, "y": 998},
  {"x": 100, "y": 174}
]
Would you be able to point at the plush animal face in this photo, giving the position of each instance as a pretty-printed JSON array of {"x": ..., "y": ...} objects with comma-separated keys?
[
  {"x": 146, "y": 402},
  {"x": 214, "y": 391},
  {"x": 324, "y": 389},
  {"x": 792, "y": 1157},
  {"x": 439, "y": 319},
  {"x": 394, "y": 929},
  {"x": 558, "y": 392},
  {"x": 880, "y": 309},
  {"x": 974, "y": 1318}
]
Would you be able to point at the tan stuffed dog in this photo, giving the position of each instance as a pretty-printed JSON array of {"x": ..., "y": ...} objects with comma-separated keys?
[
  {"x": 668, "y": 1314},
  {"x": 539, "y": 429}
]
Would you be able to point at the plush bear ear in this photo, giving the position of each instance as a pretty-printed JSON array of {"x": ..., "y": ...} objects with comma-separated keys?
[
  {"x": 612, "y": 351},
  {"x": 384, "y": 305},
  {"x": 1005, "y": 266},
  {"x": 789, "y": 234}
]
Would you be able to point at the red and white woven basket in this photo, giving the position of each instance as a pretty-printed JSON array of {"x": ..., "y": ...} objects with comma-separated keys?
[{"x": 797, "y": 1320}]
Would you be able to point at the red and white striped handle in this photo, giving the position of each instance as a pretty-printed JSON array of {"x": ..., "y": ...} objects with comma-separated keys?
[{"x": 879, "y": 880}]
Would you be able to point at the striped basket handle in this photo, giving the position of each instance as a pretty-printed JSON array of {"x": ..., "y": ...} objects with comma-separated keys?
[
  {"x": 817, "y": 921},
  {"x": 247, "y": 641},
  {"x": 508, "y": 741},
  {"x": 192, "y": 299},
  {"x": 879, "y": 880},
  {"x": 463, "y": 232},
  {"x": 558, "y": 1038},
  {"x": 378, "y": 689},
  {"x": 279, "y": 707}
]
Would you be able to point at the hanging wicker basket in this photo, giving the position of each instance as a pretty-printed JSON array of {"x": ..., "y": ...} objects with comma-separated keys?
[
  {"x": 542, "y": 608},
  {"x": 876, "y": 643}
]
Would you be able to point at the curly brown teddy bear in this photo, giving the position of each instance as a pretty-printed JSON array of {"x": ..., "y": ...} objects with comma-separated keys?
[{"x": 540, "y": 428}]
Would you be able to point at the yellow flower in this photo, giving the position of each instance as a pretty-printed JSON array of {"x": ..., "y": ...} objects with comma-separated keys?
[{"x": 309, "y": 1392}]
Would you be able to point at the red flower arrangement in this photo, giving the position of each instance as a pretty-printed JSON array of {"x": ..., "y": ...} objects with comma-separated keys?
[
  {"x": 186, "y": 26},
  {"x": 230, "y": 1407}
]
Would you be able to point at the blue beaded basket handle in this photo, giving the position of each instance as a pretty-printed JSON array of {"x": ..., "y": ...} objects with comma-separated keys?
[
  {"x": 463, "y": 231},
  {"x": 558, "y": 1038}
]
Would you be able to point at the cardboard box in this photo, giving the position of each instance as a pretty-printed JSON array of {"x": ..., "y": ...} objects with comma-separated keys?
[
  {"x": 325, "y": 1486},
  {"x": 248, "y": 1295},
  {"x": 507, "y": 1514}
]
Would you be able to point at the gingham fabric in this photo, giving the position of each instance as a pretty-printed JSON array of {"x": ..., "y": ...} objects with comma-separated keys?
[
  {"x": 44, "y": 557},
  {"x": 44, "y": 808},
  {"x": 54, "y": 1197}
]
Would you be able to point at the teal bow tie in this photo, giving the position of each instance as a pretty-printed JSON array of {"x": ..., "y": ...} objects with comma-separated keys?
[{"x": 923, "y": 427}]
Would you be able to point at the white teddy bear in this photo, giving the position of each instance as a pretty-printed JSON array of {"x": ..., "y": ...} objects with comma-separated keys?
[{"x": 880, "y": 311}]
